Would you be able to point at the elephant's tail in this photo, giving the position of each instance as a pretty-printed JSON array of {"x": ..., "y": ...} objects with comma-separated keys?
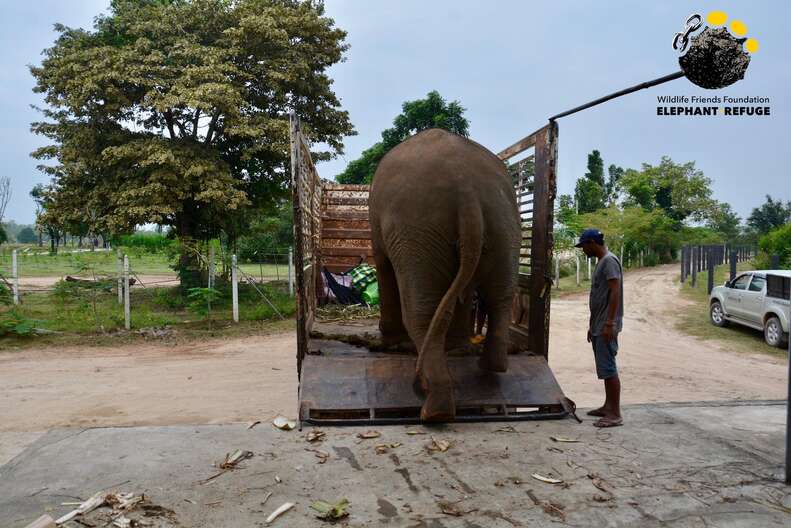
[{"x": 470, "y": 247}]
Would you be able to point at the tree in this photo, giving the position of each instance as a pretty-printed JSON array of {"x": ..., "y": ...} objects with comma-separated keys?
[
  {"x": 612, "y": 188},
  {"x": 26, "y": 236},
  {"x": 722, "y": 219},
  {"x": 772, "y": 214},
  {"x": 175, "y": 112},
  {"x": 680, "y": 190},
  {"x": 589, "y": 193},
  {"x": 46, "y": 218},
  {"x": 421, "y": 114},
  {"x": 3, "y": 235}
]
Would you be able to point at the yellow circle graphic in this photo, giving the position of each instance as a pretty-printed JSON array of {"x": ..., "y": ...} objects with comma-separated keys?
[
  {"x": 751, "y": 45},
  {"x": 717, "y": 18},
  {"x": 738, "y": 28}
]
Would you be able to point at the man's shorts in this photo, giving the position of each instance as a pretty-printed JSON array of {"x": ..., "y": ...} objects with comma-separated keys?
[{"x": 605, "y": 353}]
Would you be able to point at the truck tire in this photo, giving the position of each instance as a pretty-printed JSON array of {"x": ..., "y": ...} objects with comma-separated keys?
[
  {"x": 773, "y": 332},
  {"x": 717, "y": 314}
]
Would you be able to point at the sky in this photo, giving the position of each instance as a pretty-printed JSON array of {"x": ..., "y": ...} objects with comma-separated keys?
[{"x": 511, "y": 64}]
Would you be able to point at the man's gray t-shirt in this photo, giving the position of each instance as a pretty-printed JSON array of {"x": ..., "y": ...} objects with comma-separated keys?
[{"x": 609, "y": 267}]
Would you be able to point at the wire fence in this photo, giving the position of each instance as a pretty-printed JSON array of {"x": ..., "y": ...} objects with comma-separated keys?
[
  {"x": 135, "y": 281},
  {"x": 574, "y": 264}
]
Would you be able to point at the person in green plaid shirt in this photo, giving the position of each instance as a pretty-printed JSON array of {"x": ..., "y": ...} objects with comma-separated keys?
[{"x": 362, "y": 276}]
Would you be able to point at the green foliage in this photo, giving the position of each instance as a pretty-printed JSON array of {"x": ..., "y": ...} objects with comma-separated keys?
[
  {"x": 26, "y": 236},
  {"x": 771, "y": 215},
  {"x": 723, "y": 220},
  {"x": 682, "y": 191},
  {"x": 421, "y": 114},
  {"x": 176, "y": 112},
  {"x": 199, "y": 300},
  {"x": 776, "y": 242},
  {"x": 590, "y": 192},
  {"x": 146, "y": 241},
  {"x": 3, "y": 235},
  {"x": 612, "y": 188},
  {"x": 14, "y": 323},
  {"x": 268, "y": 234}
]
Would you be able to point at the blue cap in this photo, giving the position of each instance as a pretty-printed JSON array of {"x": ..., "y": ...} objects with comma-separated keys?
[{"x": 589, "y": 235}]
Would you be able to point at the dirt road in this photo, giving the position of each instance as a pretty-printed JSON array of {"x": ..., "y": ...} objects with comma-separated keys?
[
  {"x": 252, "y": 378},
  {"x": 656, "y": 362}
]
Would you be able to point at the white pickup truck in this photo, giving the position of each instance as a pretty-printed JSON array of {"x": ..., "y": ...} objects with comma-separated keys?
[{"x": 757, "y": 299}]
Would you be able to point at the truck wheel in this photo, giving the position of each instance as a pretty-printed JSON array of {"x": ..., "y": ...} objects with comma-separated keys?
[
  {"x": 717, "y": 314},
  {"x": 773, "y": 332}
]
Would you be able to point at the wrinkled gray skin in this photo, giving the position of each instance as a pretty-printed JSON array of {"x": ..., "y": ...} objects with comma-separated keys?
[{"x": 444, "y": 223}]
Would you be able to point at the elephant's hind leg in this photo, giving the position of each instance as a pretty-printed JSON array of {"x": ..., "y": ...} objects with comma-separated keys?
[{"x": 391, "y": 322}]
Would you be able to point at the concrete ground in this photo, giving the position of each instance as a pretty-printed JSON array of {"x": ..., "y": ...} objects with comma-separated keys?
[{"x": 695, "y": 464}]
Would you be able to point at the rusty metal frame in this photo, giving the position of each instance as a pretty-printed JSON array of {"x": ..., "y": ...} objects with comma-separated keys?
[
  {"x": 532, "y": 300},
  {"x": 306, "y": 195}
]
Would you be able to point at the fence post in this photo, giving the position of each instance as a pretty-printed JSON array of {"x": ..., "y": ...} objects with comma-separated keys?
[
  {"x": 127, "y": 312},
  {"x": 291, "y": 272},
  {"x": 641, "y": 258},
  {"x": 211, "y": 265},
  {"x": 234, "y": 289},
  {"x": 119, "y": 267},
  {"x": 589, "y": 268},
  {"x": 775, "y": 264},
  {"x": 711, "y": 274},
  {"x": 15, "y": 276},
  {"x": 557, "y": 272},
  {"x": 577, "y": 260},
  {"x": 695, "y": 251}
]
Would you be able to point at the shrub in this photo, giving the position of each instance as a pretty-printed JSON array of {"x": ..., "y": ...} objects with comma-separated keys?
[
  {"x": 776, "y": 242},
  {"x": 145, "y": 241}
]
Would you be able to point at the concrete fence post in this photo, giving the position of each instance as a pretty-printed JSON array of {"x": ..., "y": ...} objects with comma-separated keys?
[
  {"x": 557, "y": 272},
  {"x": 712, "y": 267},
  {"x": 234, "y": 289},
  {"x": 15, "y": 276},
  {"x": 577, "y": 261},
  {"x": 775, "y": 262},
  {"x": 119, "y": 267},
  {"x": 291, "y": 272},
  {"x": 589, "y": 268},
  {"x": 641, "y": 258},
  {"x": 734, "y": 257},
  {"x": 127, "y": 308},
  {"x": 683, "y": 263}
]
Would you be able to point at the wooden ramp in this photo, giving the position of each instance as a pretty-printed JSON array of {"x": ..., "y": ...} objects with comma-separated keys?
[{"x": 346, "y": 385}]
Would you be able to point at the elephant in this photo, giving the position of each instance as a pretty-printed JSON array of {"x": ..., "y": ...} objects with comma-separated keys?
[{"x": 444, "y": 226}]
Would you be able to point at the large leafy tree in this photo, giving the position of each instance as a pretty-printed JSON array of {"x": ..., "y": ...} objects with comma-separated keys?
[
  {"x": 770, "y": 215},
  {"x": 175, "y": 112},
  {"x": 590, "y": 193},
  {"x": 421, "y": 114},
  {"x": 724, "y": 220},
  {"x": 26, "y": 235},
  {"x": 681, "y": 190}
]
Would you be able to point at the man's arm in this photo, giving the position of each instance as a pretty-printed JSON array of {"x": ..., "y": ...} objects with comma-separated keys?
[{"x": 613, "y": 302}]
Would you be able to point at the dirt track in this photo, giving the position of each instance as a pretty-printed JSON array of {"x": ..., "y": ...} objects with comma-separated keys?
[{"x": 252, "y": 378}]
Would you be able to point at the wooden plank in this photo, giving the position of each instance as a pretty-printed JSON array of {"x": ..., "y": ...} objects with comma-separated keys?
[
  {"x": 347, "y": 251},
  {"x": 336, "y": 214},
  {"x": 520, "y": 146},
  {"x": 346, "y": 200},
  {"x": 541, "y": 244},
  {"x": 345, "y": 187},
  {"x": 364, "y": 234}
]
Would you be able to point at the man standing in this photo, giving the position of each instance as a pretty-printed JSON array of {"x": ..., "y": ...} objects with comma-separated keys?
[{"x": 606, "y": 321}]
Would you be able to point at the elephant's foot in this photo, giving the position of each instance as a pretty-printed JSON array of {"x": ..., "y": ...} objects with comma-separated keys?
[
  {"x": 397, "y": 340},
  {"x": 491, "y": 361},
  {"x": 439, "y": 405}
]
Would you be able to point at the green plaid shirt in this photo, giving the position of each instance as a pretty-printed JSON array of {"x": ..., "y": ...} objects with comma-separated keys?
[{"x": 362, "y": 276}]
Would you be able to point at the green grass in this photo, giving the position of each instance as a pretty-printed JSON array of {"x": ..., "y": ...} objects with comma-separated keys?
[
  {"x": 34, "y": 261},
  {"x": 88, "y": 316},
  {"x": 694, "y": 319}
]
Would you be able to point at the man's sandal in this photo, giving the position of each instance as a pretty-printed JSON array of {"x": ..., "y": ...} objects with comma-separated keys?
[{"x": 608, "y": 422}]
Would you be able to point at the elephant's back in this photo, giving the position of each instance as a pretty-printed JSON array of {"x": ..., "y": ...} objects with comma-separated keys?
[{"x": 428, "y": 177}]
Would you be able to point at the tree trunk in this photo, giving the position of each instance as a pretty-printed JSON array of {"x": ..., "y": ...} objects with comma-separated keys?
[{"x": 188, "y": 266}]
